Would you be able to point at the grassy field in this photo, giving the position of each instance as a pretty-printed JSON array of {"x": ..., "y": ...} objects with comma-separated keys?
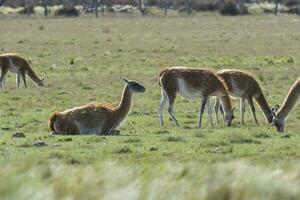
[{"x": 83, "y": 60}]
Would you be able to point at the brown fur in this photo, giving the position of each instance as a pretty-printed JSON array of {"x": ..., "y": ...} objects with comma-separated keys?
[
  {"x": 90, "y": 115},
  {"x": 245, "y": 81},
  {"x": 92, "y": 118},
  {"x": 161, "y": 74},
  {"x": 290, "y": 101},
  {"x": 23, "y": 68},
  {"x": 52, "y": 119},
  {"x": 244, "y": 85},
  {"x": 194, "y": 77},
  {"x": 201, "y": 81}
]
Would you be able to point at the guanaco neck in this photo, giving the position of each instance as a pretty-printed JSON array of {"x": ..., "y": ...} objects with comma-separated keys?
[
  {"x": 289, "y": 102},
  {"x": 123, "y": 108},
  {"x": 261, "y": 100},
  {"x": 226, "y": 103},
  {"x": 31, "y": 73}
]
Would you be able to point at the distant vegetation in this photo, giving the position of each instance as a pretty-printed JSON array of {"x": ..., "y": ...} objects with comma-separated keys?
[
  {"x": 145, "y": 7},
  {"x": 67, "y": 10}
]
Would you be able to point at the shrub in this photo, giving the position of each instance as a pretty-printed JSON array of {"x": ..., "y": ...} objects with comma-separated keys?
[
  {"x": 67, "y": 11},
  {"x": 294, "y": 10},
  {"x": 291, "y": 3},
  {"x": 230, "y": 8},
  {"x": 204, "y": 5},
  {"x": 23, "y": 11},
  {"x": 293, "y": 6}
]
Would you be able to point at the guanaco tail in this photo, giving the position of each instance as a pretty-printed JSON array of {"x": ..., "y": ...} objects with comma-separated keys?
[
  {"x": 95, "y": 118},
  {"x": 244, "y": 86},
  {"x": 192, "y": 83},
  {"x": 17, "y": 64},
  {"x": 289, "y": 103}
]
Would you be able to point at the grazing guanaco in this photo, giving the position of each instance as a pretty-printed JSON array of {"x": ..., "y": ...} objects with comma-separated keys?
[
  {"x": 192, "y": 83},
  {"x": 289, "y": 103},
  {"x": 244, "y": 86},
  {"x": 16, "y": 64},
  {"x": 95, "y": 118}
]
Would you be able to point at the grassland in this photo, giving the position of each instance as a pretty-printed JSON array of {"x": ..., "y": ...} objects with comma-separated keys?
[{"x": 83, "y": 60}]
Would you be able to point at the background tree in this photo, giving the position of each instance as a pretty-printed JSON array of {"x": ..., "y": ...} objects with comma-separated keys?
[
  {"x": 28, "y": 7},
  {"x": 188, "y": 6},
  {"x": 45, "y": 4},
  {"x": 103, "y": 4},
  {"x": 2, "y": 2},
  {"x": 165, "y": 5},
  {"x": 276, "y": 6},
  {"x": 96, "y": 3}
]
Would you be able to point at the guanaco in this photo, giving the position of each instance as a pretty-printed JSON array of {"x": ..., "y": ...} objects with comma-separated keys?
[
  {"x": 192, "y": 83},
  {"x": 95, "y": 118},
  {"x": 289, "y": 103},
  {"x": 16, "y": 64},
  {"x": 244, "y": 86}
]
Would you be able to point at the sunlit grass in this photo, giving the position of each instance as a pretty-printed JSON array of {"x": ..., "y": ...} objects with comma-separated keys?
[{"x": 83, "y": 60}]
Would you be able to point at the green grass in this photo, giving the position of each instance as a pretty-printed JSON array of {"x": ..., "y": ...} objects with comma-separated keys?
[{"x": 83, "y": 60}]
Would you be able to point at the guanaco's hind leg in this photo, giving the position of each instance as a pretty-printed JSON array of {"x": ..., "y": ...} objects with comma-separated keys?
[
  {"x": 202, "y": 107},
  {"x": 18, "y": 80},
  {"x": 242, "y": 110},
  {"x": 163, "y": 101},
  {"x": 4, "y": 71},
  {"x": 209, "y": 111},
  {"x": 23, "y": 75},
  {"x": 170, "y": 108},
  {"x": 218, "y": 107},
  {"x": 252, "y": 108}
]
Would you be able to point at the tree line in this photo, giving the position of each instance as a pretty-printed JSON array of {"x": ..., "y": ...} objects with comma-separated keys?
[{"x": 224, "y": 7}]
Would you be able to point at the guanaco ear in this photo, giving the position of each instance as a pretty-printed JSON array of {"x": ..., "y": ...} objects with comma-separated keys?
[
  {"x": 125, "y": 80},
  {"x": 275, "y": 108}
]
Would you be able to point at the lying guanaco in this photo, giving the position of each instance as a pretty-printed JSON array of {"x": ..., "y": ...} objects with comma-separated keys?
[
  {"x": 95, "y": 118},
  {"x": 192, "y": 83},
  {"x": 244, "y": 86},
  {"x": 289, "y": 103},
  {"x": 16, "y": 64}
]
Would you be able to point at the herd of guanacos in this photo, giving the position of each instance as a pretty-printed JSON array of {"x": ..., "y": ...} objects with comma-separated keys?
[{"x": 190, "y": 83}]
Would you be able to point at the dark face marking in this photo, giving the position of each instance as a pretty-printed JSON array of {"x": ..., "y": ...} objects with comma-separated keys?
[
  {"x": 40, "y": 83},
  {"x": 134, "y": 86},
  {"x": 228, "y": 119}
]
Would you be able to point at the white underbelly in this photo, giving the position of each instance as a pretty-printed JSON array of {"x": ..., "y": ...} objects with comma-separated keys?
[
  {"x": 87, "y": 130},
  {"x": 186, "y": 92},
  {"x": 236, "y": 91},
  {"x": 13, "y": 68}
]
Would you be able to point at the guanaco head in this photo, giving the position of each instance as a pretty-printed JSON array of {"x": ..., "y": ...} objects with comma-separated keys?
[
  {"x": 40, "y": 82},
  {"x": 229, "y": 117},
  {"x": 279, "y": 124},
  {"x": 134, "y": 86}
]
